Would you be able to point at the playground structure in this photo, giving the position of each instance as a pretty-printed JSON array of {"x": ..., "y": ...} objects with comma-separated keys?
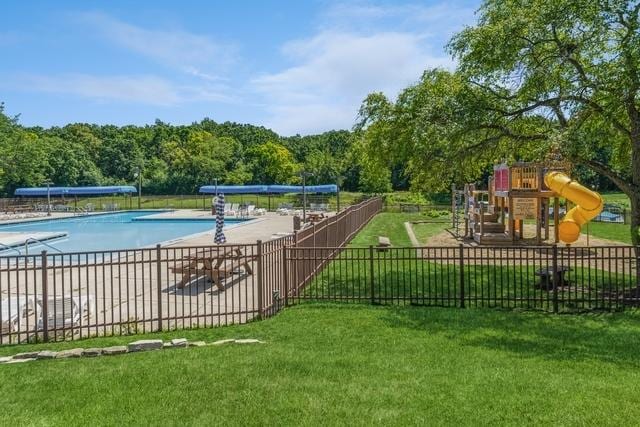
[{"x": 524, "y": 191}]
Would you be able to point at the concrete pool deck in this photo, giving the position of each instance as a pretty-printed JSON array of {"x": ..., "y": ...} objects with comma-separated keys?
[{"x": 262, "y": 228}]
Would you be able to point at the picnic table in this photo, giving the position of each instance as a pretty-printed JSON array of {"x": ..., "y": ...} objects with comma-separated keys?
[
  {"x": 547, "y": 281},
  {"x": 215, "y": 264},
  {"x": 315, "y": 216}
]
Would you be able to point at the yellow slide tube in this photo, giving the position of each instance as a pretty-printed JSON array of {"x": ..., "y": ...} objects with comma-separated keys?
[{"x": 588, "y": 203}]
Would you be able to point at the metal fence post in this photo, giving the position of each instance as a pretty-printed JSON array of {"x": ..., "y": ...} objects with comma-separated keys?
[
  {"x": 260, "y": 290},
  {"x": 461, "y": 261},
  {"x": 45, "y": 296},
  {"x": 159, "y": 284},
  {"x": 555, "y": 278},
  {"x": 285, "y": 275},
  {"x": 371, "y": 278}
]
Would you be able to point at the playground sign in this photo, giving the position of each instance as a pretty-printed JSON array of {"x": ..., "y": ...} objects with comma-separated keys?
[{"x": 524, "y": 208}]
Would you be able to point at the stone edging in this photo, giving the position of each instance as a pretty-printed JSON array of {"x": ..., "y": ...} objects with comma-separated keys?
[{"x": 133, "y": 347}]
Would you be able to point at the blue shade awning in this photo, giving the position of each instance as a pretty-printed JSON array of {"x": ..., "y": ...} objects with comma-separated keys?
[
  {"x": 234, "y": 189},
  {"x": 281, "y": 189},
  {"x": 325, "y": 188},
  {"x": 41, "y": 191},
  {"x": 75, "y": 191},
  {"x": 268, "y": 189},
  {"x": 109, "y": 189}
]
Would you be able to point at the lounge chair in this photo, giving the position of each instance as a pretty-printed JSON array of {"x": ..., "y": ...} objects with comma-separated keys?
[
  {"x": 228, "y": 210},
  {"x": 66, "y": 311},
  {"x": 14, "y": 309}
]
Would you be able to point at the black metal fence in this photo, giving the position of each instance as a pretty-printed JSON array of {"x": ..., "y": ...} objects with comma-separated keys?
[
  {"x": 48, "y": 296},
  {"x": 549, "y": 278}
]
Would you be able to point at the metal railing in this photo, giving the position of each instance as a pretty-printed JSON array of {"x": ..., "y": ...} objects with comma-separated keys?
[
  {"x": 39, "y": 242},
  {"x": 549, "y": 278},
  {"x": 56, "y": 296}
]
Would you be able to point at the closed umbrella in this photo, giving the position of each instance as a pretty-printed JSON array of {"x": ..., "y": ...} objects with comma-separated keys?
[{"x": 220, "y": 239}]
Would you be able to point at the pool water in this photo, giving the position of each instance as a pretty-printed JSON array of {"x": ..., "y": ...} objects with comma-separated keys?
[{"x": 121, "y": 230}]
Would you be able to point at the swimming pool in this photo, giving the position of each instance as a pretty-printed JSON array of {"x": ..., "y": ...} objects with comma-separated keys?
[{"x": 121, "y": 230}]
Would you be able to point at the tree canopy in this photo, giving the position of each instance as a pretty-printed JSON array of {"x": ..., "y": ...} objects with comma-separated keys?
[
  {"x": 532, "y": 77},
  {"x": 173, "y": 159}
]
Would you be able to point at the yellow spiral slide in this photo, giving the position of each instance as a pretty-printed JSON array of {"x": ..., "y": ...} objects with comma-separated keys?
[{"x": 588, "y": 203}]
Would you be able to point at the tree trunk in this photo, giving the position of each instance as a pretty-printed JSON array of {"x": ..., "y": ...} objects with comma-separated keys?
[{"x": 635, "y": 219}]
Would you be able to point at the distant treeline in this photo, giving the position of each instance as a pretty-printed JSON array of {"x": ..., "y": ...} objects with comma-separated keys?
[{"x": 174, "y": 159}]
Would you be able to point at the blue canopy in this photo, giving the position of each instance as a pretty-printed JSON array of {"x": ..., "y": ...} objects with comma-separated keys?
[
  {"x": 234, "y": 189},
  {"x": 268, "y": 189},
  {"x": 41, "y": 191},
  {"x": 74, "y": 191},
  {"x": 109, "y": 189}
]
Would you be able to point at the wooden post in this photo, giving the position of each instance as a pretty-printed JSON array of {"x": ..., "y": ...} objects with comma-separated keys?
[
  {"x": 538, "y": 219},
  {"x": 555, "y": 278},
  {"x": 556, "y": 219}
]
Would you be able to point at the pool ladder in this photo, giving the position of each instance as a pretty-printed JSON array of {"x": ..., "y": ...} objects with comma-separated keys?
[
  {"x": 34, "y": 240},
  {"x": 4, "y": 247}
]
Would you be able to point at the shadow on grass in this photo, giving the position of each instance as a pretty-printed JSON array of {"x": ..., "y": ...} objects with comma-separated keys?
[{"x": 611, "y": 338}]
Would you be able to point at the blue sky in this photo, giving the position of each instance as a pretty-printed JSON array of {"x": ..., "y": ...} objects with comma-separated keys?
[{"x": 294, "y": 66}]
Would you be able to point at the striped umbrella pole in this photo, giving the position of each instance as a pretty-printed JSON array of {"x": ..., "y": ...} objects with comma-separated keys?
[{"x": 219, "y": 238}]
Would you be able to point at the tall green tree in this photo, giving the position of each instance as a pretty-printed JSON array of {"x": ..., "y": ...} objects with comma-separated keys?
[
  {"x": 272, "y": 163},
  {"x": 575, "y": 63}
]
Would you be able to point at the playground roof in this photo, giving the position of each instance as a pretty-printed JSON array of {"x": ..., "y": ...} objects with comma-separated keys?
[
  {"x": 268, "y": 189},
  {"x": 74, "y": 191}
]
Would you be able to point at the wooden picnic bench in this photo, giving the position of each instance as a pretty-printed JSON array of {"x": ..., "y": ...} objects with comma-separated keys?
[
  {"x": 315, "y": 217},
  {"x": 216, "y": 264}
]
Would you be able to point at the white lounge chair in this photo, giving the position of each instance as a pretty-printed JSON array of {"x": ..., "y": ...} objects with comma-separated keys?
[
  {"x": 228, "y": 210},
  {"x": 13, "y": 310},
  {"x": 66, "y": 311}
]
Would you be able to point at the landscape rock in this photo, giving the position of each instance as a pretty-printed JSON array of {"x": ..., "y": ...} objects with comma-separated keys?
[
  {"x": 167, "y": 345},
  {"x": 74, "y": 352},
  {"x": 117, "y": 349},
  {"x": 197, "y": 344},
  {"x": 179, "y": 342},
  {"x": 145, "y": 345},
  {"x": 28, "y": 355},
  {"x": 249, "y": 341},
  {"x": 47, "y": 354},
  {"x": 221, "y": 342},
  {"x": 92, "y": 352},
  {"x": 5, "y": 359},
  {"x": 19, "y": 360}
]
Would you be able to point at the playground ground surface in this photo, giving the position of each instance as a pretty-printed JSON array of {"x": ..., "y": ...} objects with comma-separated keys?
[
  {"x": 333, "y": 364},
  {"x": 434, "y": 233}
]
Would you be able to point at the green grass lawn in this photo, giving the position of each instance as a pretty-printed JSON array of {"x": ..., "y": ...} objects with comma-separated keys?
[
  {"x": 424, "y": 231},
  {"x": 386, "y": 224},
  {"x": 617, "y": 198},
  {"x": 618, "y": 232},
  {"x": 356, "y": 365}
]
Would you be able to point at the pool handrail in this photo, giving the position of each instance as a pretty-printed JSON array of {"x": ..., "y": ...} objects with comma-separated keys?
[
  {"x": 11, "y": 248},
  {"x": 34, "y": 240}
]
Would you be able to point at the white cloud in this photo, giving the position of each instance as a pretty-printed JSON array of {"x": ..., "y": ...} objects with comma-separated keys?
[
  {"x": 194, "y": 54},
  {"x": 359, "y": 48},
  {"x": 333, "y": 74},
  {"x": 140, "y": 89}
]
